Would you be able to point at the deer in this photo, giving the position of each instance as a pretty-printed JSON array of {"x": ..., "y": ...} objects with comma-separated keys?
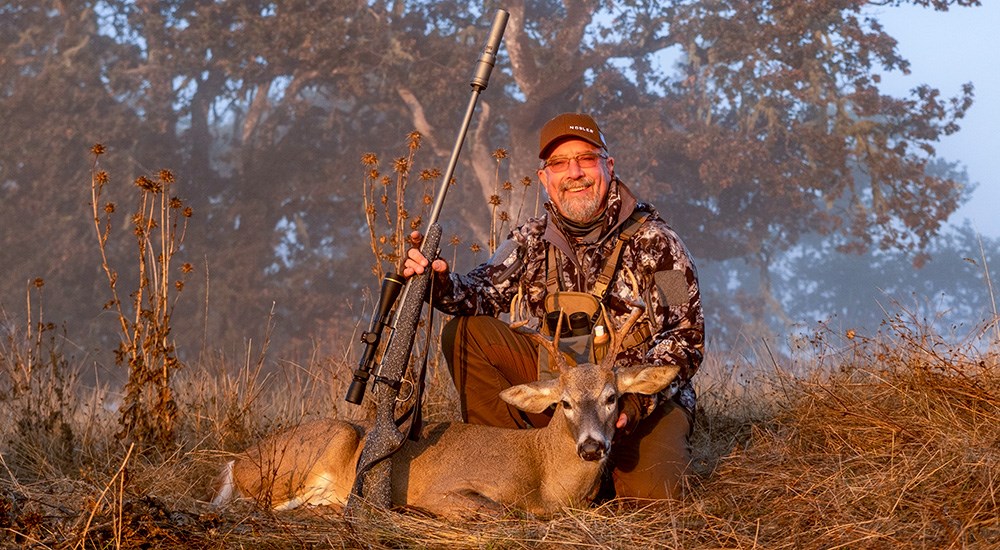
[{"x": 456, "y": 469}]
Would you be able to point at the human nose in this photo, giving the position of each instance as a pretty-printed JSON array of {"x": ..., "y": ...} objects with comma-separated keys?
[{"x": 573, "y": 169}]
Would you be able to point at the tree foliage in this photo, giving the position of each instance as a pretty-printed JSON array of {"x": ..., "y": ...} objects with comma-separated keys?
[{"x": 751, "y": 124}]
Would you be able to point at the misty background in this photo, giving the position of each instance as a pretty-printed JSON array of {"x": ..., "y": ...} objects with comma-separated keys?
[{"x": 817, "y": 186}]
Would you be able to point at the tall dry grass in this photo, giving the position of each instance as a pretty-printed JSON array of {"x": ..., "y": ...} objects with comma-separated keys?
[
  {"x": 896, "y": 445},
  {"x": 888, "y": 440},
  {"x": 146, "y": 347}
]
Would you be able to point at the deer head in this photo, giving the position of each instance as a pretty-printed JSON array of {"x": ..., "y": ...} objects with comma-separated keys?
[{"x": 587, "y": 395}]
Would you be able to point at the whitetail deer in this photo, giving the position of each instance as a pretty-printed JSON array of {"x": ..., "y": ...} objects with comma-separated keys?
[{"x": 457, "y": 468}]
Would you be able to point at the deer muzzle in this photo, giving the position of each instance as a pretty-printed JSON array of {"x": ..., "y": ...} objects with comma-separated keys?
[{"x": 592, "y": 449}]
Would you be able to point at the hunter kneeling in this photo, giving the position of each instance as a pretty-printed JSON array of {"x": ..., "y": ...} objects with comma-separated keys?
[
  {"x": 595, "y": 253},
  {"x": 609, "y": 284}
]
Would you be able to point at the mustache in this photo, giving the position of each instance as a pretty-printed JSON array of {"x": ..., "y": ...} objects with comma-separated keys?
[{"x": 573, "y": 185}]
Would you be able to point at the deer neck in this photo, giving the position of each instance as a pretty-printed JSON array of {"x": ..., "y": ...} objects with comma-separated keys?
[{"x": 568, "y": 479}]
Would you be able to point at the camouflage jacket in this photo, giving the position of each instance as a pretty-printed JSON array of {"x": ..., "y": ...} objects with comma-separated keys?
[{"x": 667, "y": 280}]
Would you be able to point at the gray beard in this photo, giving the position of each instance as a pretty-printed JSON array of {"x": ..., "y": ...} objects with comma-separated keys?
[{"x": 582, "y": 211}]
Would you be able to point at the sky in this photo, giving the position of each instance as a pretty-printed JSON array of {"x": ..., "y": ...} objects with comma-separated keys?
[{"x": 946, "y": 50}]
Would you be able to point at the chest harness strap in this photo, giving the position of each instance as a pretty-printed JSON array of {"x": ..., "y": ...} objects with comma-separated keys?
[{"x": 640, "y": 333}]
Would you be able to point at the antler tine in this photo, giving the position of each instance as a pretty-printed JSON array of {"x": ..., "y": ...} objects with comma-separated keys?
[
  {"x": 558, "y": 330},
  {"x": 633, "y": 280},
  {"x": 518, "y": 318},
  {"x": 561, "y": 362},
  {"x": 618, "y": 336},
  {"x": 552, "y": 346}
]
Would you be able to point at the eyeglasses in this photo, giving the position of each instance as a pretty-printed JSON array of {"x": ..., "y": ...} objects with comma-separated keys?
[{"x": 583, "y": 160}]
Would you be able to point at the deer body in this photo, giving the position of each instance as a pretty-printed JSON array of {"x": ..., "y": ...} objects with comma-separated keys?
[
  {"x": 487, "y": 469},
  {"x": 457, "y": 468}
]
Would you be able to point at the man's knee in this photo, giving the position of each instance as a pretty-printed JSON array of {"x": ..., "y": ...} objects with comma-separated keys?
[
  {"x": 651, "y": 462},
  {"x": 462, "y": 335}
]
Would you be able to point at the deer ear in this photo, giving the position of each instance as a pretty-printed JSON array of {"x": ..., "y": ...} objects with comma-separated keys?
[
  {"x": 645, "y": 379},
  {"x": 534, "y": 397}
]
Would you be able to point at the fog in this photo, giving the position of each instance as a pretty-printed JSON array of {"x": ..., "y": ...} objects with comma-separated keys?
[{"x": 816, "y": 194}]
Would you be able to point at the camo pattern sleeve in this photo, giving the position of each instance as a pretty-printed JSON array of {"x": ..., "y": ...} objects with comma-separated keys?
[{"x": 489, "y": 288}]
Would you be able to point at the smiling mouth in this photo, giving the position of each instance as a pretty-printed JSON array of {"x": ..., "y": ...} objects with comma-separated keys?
[{"x": 577, "y": 188}]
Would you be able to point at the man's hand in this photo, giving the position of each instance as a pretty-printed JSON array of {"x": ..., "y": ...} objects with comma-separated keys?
[
  {"x": 416, "y": 263},
  {"x": 628, "y": 415}
]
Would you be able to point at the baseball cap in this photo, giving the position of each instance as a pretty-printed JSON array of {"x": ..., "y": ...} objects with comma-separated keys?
[{"x": 569, "y": 125}]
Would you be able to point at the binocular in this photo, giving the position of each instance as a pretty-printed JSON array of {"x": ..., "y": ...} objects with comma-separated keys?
[{"x": 578, "y": 324}]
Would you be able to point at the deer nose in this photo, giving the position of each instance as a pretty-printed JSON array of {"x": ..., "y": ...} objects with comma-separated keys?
[{"x": 591, "y": 450}]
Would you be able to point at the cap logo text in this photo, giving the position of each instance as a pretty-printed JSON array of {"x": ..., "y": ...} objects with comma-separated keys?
[{"x": 582, "y": 128}]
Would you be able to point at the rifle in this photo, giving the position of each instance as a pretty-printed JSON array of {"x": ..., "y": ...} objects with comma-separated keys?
[{"x": 374, "y": 469}]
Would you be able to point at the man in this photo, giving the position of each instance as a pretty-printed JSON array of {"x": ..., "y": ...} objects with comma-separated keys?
[{"x": 596, "y": 239}]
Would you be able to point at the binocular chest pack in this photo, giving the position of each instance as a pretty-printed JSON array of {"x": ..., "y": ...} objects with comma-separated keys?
[{"x": 579, "y": 316}]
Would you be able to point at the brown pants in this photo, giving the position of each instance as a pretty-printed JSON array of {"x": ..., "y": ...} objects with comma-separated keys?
[{"x": 486, "y": 357}]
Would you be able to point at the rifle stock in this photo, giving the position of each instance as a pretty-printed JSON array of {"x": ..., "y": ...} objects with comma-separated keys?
[{"x": 374, "y": 468}]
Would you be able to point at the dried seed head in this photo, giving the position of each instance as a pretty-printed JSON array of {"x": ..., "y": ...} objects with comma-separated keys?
[
  {"x": 508, "y": 186},
  {"x": 369, "y": 159},
  {"x": 97, "y": 149},
  {"x": 39, "y": 282},
  {"x": 495, "y": 200},
  {"x": 187, "y": 212},
  {"x": 475, "y": 248},
  {"x": 146, "y": 184},
  {"x": 187, "y": 268},
  {"x": 455, "y": 240},
  {"x": 175, "y": 203},
  {"x": 102, "y": 178},
  {"x": 414, "y": 138},
  {"x": 526, "y": 181},
  {"x": 166, "y": 176},
  {"x": 109, "y": 208},
  {"x": 500, "y": 153},
  {"x": 401, "y": 165}
]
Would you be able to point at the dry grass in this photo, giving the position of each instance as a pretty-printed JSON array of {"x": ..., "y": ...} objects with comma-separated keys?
[{"x": 893, "y": 442}]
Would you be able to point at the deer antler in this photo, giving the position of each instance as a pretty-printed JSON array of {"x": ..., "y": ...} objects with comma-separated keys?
[
  {"x": 518, "y": 310},
  {"x": 618, "y": 336},
  {"x": 552, "y": 346}
]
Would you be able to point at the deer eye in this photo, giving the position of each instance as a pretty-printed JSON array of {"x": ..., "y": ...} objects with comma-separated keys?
[
  {"x": 566, "y": 405},
  {"x": 611, "y": 399}
]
